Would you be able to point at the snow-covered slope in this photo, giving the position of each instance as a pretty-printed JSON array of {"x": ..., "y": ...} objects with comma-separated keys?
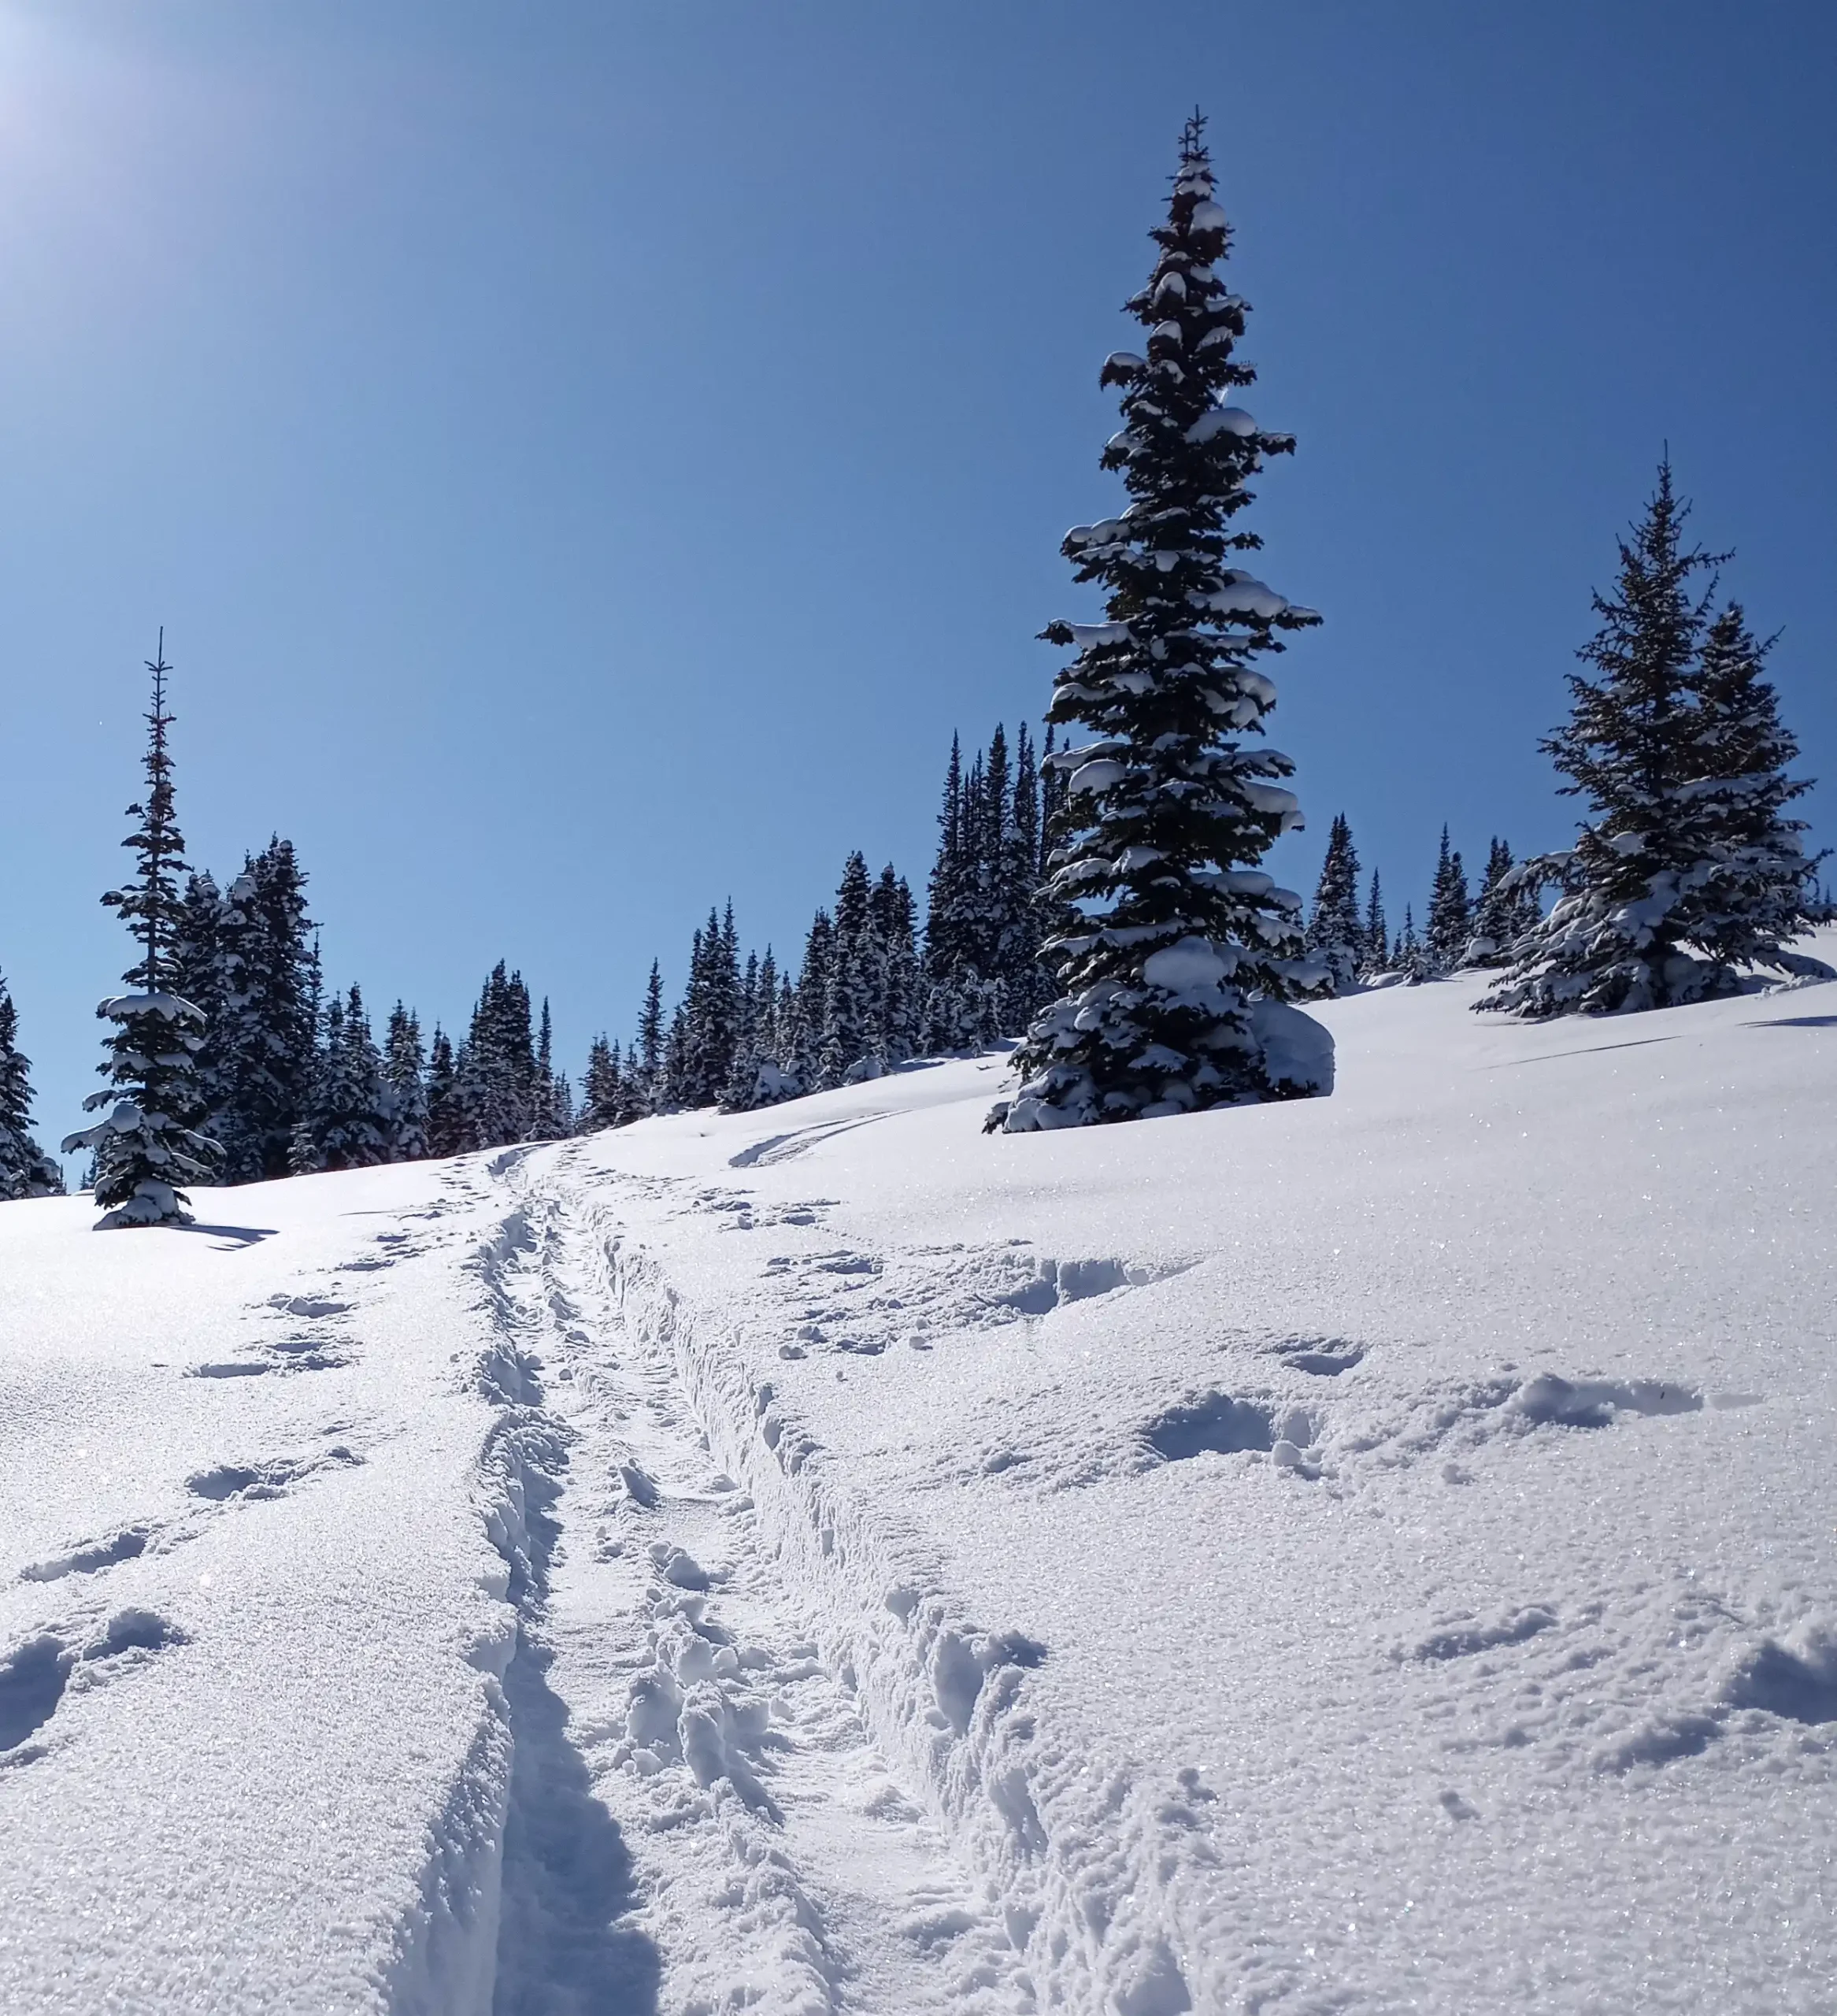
[{"x": 1368, "y": 1553}]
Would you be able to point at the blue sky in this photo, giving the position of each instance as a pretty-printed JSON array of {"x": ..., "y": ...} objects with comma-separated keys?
[{"x": 588, "y": 458}]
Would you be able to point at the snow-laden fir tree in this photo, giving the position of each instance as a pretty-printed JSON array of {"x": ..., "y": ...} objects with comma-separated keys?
[
  {"x": 1760, "y": 891},
  {"x": 711, "y": 1014},
  {"x": 603, "y": 1090},
  {"x": 1411, "y": 954},
  {"x": 262, "y": 1050},
  {"x": 1375, "y": 950},
  {"x": 645, "y": 1071},
  {"x": 1026, "y": 986},
  {"x": 1336, "y": 934},
  {"x": 1451, "y": 921},
  {"x": 200, "y": 975},
  {"x": 850, "y": 1022},
  {"x": 1179, "y": 979},
  {"x": 551, "y": 1101},
  {"x": 497, "y": 1064},
  {"x": 1499, "y": 911},
  {"x": 749, "y": 1036},
  {"x": 446, "y": 1117},
  {"x": 404, "y": 1078},
  {"x": 981, "y": 977},
  {"x": 676, "y": 1053},
  {"x": 25, "y": 1169},
  {"x": 892, "y": 924},
  {"x": 752, "y": 1035},
  {"x": 348, "y": 1117},
  {"x": 153, "y": 1141},
  {"x": 1638, "y": 905},
  {"x": 803, "y": 1056}
]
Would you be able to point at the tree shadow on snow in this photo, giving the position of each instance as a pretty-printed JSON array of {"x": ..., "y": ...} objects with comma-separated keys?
[{"x": 237, "y": 1235}]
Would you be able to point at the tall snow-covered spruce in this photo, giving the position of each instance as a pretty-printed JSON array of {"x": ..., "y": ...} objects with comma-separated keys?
[
  {"x": 1760, "y": 893},
  {"x": 152, "y": 1141},
  {"x": 1182, "y": 957},
  {"x": 1685, "y": 871}
]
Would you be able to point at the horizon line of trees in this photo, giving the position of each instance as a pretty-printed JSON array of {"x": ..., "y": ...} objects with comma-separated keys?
[{"x": 291, "y": 1080}]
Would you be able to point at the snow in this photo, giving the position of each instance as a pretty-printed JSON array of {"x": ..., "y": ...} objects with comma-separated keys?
[
  {"x": 1222, "y": 420},
  {"x": 1242, "y": 594},
  {"x": 1089, "y": 636},
  {"x": 1099, "y": 775},
  {"x": 1193, "y": 962},
  {"x": 168, "y": 1007},
  {"x": 1369, "y": 1552}
]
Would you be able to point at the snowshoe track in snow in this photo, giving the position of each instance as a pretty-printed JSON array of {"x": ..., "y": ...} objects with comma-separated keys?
[{"x": 697, "y": 1792}]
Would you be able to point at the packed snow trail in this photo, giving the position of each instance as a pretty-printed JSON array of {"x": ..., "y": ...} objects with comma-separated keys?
[
  {"x": 759, "y": 1846},
  {"x": 1368, "y": 1553}
]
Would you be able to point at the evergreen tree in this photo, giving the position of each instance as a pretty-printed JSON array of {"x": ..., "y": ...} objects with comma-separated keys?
[
  {"x": 752, "y": 1032},
  {"x": 647, "y": 1074},
  {"x": 1025, "y": 986},
  {"x": 775, "y": 1039},
  {"x": 446, "y": 1119},
  {"x": 675, "y": 1058},
  {"x": 1451, "y": 912},
  {"x": 995, "y": 896},
  {"x": 1179, "y": 979},
  {"x": 25, "y": 1169},
  {"x": 947, "y": 892},
  {"x": 265, "y": 1052},
  {"x": 405, "y": 1075},
  {"x": 766, "y": 1027},
  {"x": 199, "y": 975},
  {"x": 892, "y": 933},
  {"x": 1761, "y": 889},
  {"x": 711, "y": 1013},
  {"x": 153, "y": 1140},
  {"x": 551, "y": 1096},
  {"x": 1375, "y": 950},
  {"x": 304, "y": 1155},
  {"x": 603, "y": 1103},
  {"x": 1335, "y": 936},
  {"x": 1615, "y": 940},
  {"x": 812, "y": 999},
  {"x": 1498, "y": 913},
  {"x": 497, "y": 1069},
  {"x": 980, "y": 973},
  {"x": 348, "y": 1118},
  {"x": 851, "y": 1029},
  {"x": 1413, "y": 959}
]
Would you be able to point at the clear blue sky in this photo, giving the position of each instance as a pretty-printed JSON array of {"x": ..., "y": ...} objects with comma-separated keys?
[{"x": 587, "y": 458}]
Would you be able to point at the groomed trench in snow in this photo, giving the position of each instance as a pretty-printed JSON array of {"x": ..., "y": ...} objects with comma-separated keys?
[{"x": 1070, "y": 1862}]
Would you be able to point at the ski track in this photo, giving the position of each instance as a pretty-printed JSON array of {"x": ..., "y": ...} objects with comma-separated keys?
[{"x": 699, "y": 1817}]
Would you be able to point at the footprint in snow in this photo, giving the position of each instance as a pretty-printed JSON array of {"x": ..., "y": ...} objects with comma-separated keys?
[
  {"x": 90, "y": 1557},
  {"x": 273, "y": 1479},
  {"x": 36, "y": 1675}
]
